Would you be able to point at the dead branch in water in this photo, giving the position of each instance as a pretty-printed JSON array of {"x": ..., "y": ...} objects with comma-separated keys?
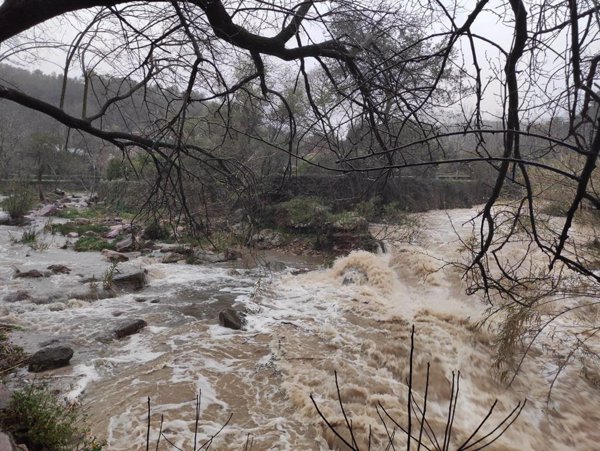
[
  {"x": 427, "y": 437},
  {"x": 204, "y": 446}
]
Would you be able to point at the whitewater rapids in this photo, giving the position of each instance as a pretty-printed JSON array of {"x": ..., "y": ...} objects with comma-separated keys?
[{"x": 300, "y": 330}]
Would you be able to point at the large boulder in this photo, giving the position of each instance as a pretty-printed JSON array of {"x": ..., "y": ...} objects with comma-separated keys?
[
  {"x": 129, "y": 327},
  {"x": 125, "y": 245},
  {"x": 50, "y": 358},
  {"x": 48, "y": 210},
  {"x": 135, "y": 280},
  {"x": 232, "y": 319},
  {"x": 117, "y": 230}
]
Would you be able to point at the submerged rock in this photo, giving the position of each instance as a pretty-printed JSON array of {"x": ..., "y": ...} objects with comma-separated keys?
[
  {"x": 50, "y": 358},
  {"x": 129, "y": 327},
  {"x": 232, "y": 319},
  {"x": 94, "y": 292},
  {"x": 59, "y": 269},
  {"x": 32, "y": 273},
  {"x": 17, "y": 296}
]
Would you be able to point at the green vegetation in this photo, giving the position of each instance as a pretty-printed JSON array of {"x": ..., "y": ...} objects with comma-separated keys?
[
  {"x": 303, "y": 213},
  {"x": 109, "y": 274},
  {"x": 69, "y": 227},
  {"x": 29, "y": 236},
  {"x": 11, "y": 356},
  {"x": 367, "y": 208},
  {"x": 92, "y": 243},
  {"x": 154, "y": 231},
  {"x": 18, "y": 204},
  {"x": 118, "y": 168},
  {"x": 38, "y": 419}
]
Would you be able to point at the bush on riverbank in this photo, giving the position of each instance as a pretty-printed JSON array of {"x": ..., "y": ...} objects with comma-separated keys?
[
  {"x": 17, "y": 205},
  {"x": 37, "y": 418},
  {"x": 92, "y": 243}
]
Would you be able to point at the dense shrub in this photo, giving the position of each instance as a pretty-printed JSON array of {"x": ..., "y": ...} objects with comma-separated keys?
[
  {"x": 36, "y": 418},
  {"x": 18, "y": 204},
  {"x": 92, "y": 243}
]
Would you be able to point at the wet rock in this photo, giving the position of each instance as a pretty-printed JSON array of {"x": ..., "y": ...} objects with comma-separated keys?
[
  {"x": 232, "y": 319},
  {"x": 59, "y": 192},
  {"x": 154, "y": 301},
  {"x": 134, "y": 280},
  {"x": 140, "y": 299},
  {"x": 50, "y": 358},
  {"x": 125, "y": 245},
  {"x": 117, "y": 313},
  {"x": 114, "y": 256},
  {"x": 129, "y": 327},
  {"x": 17, "y": 296},
  {"x": 47, "y": 210},
  {"x": 184, "y": 249},
  {"x": 117, "y": 230},
  {"x": 32, "y": 273},
  {"x": 268, "y": 239},
  {"x": 59, "y": 269}
]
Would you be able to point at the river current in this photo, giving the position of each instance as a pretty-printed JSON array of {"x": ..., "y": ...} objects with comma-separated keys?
[{"x": 302, "y": 327}]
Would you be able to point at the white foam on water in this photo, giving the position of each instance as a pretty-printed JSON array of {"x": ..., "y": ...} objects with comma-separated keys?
[{"x": 85, "y": 375}]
